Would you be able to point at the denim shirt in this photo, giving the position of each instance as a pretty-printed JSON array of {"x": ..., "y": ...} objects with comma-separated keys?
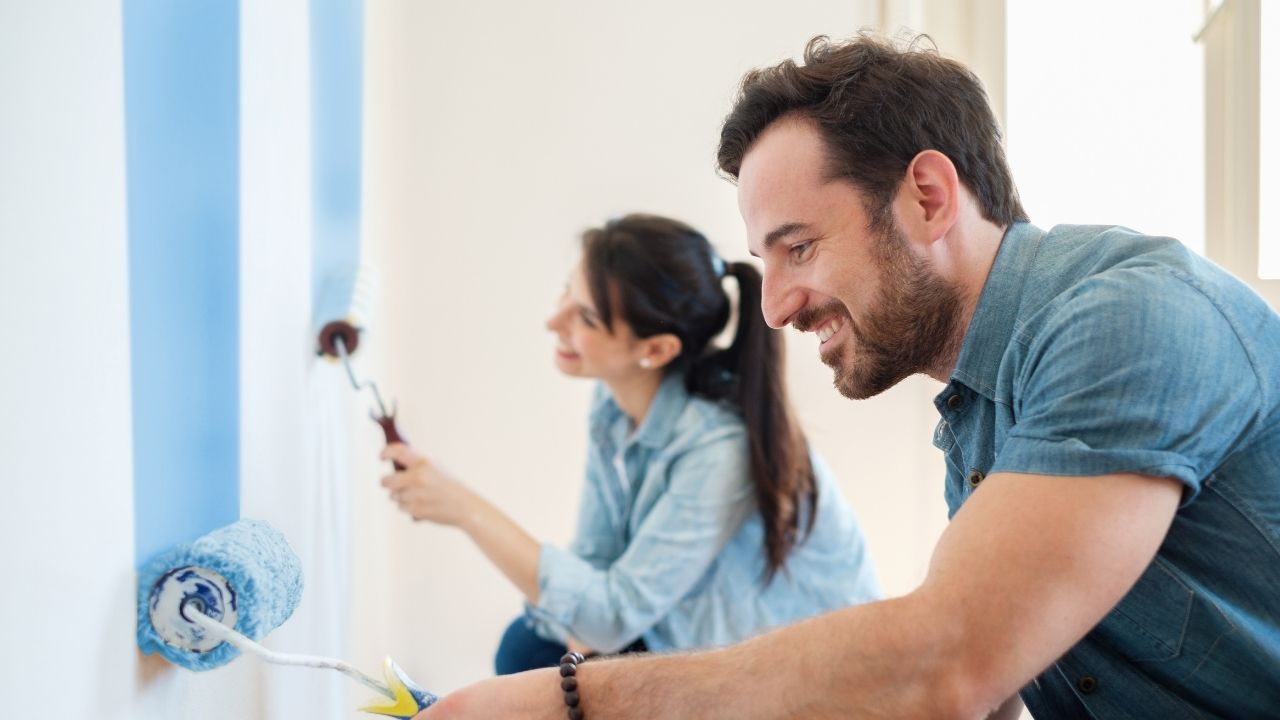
[
  {"x": 1096, "y": 350},
  {"x": 669, "y": 545}
]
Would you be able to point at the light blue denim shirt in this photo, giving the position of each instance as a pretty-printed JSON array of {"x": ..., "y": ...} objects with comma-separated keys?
[
  {"x": 1096, "y": 350},
  {"x": 669, "y": 545}
]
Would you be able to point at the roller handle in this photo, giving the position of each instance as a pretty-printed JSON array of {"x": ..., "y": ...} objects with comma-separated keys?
[{"x": 392, "y": 433}]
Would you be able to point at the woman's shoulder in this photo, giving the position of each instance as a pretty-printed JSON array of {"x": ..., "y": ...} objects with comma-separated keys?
[
  {"x": 705, "y": 421},
  {"x": 707, "y": 456}
]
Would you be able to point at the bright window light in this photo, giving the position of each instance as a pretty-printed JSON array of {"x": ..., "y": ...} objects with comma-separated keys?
[
  {"x": 1106, "y": 114},
  {"x": 1269, "y": 158}
]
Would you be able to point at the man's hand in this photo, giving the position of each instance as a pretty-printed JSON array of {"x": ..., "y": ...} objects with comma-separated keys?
[{"x": 533, "y": 695}]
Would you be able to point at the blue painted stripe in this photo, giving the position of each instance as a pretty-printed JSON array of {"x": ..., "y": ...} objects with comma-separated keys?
[
  {"x": 181, "y": 70},
  {"x": 337, "y": 51}
]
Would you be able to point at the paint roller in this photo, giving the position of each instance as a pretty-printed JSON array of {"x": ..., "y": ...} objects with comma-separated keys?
[
  {"x": 201, "y": 604},
  {"x": 338, "y": 340}
]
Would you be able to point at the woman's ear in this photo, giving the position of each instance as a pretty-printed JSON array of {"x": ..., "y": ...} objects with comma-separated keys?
[{"x": 657, "y": 351}]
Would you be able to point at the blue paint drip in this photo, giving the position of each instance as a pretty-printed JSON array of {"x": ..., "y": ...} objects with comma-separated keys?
[{"x": 182, "y": 116}]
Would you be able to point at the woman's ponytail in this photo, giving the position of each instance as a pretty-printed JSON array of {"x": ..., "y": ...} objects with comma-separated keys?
[{"x": 785, "y": 488}]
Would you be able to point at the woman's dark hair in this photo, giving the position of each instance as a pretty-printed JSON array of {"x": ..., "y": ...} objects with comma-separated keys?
[
  {"x": 877, "y": 107},
  {"x": 665, "y": 277}
]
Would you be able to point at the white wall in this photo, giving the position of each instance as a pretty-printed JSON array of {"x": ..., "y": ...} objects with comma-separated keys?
[
  {"x": 66, "y": 518},
  {"x": 496, "y": 133},
  {"x": 68, "y": 611},
  {"x": 295, "y": 409}
]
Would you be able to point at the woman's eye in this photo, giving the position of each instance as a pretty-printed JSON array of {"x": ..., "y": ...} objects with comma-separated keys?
[{"x": 587, "y": 319}]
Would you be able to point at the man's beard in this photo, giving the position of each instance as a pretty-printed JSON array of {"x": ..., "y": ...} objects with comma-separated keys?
[{"x": 910, "y": 326}]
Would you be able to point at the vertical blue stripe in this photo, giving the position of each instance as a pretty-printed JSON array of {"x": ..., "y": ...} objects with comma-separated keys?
[
  {"x": 182, "y": 114},
  {"x": 337, "y": 49}
]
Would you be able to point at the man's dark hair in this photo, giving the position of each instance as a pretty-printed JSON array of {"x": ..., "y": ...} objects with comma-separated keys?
[{"x": 877, "y": 106}]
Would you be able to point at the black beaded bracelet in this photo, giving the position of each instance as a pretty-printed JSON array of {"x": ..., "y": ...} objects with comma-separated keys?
[{"x": 569, "y": 683}]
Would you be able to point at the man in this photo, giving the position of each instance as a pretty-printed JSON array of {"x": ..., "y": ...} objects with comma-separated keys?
[{"x": 1110, "y": 422}]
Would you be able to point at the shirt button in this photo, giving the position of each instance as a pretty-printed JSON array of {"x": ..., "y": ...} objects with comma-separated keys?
[
  {"x": 975, "y": 477},
  {"x": 955, "y": 401},
  {"x": 1087, "y": 684}
]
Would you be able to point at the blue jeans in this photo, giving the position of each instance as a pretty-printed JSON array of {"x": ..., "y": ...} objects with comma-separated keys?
[{"x": 522, "y": 649}]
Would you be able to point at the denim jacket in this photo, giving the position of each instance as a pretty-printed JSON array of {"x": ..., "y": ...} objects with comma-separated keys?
[
  {"x": 1096, "y": 350},
  {"x": 669, "y": 545}
]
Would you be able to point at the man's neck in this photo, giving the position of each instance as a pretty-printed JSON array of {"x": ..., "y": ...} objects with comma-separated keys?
[{"x": 973, "y": 255}]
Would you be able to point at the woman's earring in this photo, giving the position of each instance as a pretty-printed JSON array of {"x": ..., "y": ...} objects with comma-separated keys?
[{"x": 645, "y": 363}]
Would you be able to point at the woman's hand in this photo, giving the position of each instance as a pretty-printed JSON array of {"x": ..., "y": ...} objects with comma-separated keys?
[
  {"x": 423, "y": 490},
  {"x": 428, "y": 493}
]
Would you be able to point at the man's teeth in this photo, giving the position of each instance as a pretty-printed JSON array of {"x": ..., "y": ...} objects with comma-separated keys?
[{"x": 831, "y": 328}]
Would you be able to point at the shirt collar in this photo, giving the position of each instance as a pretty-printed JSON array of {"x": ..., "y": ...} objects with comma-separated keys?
[
  {"x": 992, "y": 325},
  {"x": 659, "y": 422}
]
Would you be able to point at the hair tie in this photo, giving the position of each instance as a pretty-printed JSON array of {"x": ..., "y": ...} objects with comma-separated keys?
[{"x": 717, "y": 264}]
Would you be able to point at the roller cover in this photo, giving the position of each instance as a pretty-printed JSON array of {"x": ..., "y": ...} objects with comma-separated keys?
[{"x": 261, "y": 570}]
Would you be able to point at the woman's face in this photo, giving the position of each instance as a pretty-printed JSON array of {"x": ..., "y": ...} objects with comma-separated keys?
[{"x": 584, "y": 345}]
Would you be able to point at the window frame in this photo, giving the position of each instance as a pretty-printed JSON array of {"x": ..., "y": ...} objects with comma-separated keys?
[{"x": 1232, "y": 41}]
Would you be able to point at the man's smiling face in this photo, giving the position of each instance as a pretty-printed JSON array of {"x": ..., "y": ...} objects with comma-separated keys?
[{"x": 879, "y": 310}]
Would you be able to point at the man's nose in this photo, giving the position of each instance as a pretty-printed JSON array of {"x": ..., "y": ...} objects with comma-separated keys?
[{"x": 779, "y": 300}]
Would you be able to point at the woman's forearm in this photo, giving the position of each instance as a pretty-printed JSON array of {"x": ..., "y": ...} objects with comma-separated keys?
[{"x": 505, "y": 543}]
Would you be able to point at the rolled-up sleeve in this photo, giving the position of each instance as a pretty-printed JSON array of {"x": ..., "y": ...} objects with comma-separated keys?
[
  {"x": 1137, "y": 372},
  {"x": 707, "y": 498}
]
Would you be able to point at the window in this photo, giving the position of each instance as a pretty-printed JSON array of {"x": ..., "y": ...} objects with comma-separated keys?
[
  {"x": 1269, "y": 145},
  {"x": 1106, "y": 114},
  {"x": 1241, "y": 221}
]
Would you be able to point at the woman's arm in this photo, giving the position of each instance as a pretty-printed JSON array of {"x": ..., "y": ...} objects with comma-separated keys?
[
  {"x": 705, "y": 498},
  {"x": 705, "y": 503},
  {"x": 427, "y": 493}
]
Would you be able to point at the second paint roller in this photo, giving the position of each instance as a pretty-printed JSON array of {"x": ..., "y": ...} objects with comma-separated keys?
[
  {"x": 200, "y": 602},
  {"x": 339, "y": 339}
]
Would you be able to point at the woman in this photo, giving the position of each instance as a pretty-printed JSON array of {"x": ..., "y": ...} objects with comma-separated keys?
[{"x": 704, "y": 518}]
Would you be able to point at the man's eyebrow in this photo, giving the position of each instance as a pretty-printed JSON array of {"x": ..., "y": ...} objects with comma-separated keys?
[{"x": 781, "y": 232}]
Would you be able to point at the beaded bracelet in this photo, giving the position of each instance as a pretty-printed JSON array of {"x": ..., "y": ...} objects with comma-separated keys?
[{"x": 569, "y": 683}]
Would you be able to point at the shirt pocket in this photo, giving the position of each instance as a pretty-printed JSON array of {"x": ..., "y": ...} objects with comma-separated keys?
[{"x": 1164, "y": 623}]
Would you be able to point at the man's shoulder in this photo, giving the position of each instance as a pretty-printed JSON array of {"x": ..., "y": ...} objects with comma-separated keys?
[
  {"x": 1119, "y": 299},
  {"x": 1083, "y": 250},
  {"x": 1086, "y": 264},
  {"x": 1079, "y": 263}
]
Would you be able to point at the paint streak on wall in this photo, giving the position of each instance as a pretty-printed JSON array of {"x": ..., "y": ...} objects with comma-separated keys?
[{"x": 181, "y": 78}]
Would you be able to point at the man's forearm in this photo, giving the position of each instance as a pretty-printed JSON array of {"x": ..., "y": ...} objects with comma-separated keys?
[{"x": 891, "y": 666}]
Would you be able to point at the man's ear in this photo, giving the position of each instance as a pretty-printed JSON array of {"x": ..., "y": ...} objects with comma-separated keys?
[
  {"x": 658, "y": 350},
  {"x": 928, "y": 200}
]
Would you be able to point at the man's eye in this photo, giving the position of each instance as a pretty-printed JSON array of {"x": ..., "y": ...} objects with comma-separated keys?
[{"x": 799, "y": 249}]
